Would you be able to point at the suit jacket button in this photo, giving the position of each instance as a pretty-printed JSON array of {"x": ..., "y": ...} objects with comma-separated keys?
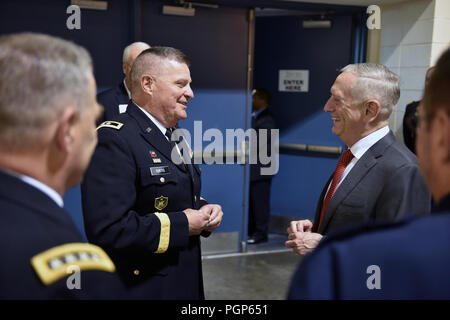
[{"x": 136, "y": 272}]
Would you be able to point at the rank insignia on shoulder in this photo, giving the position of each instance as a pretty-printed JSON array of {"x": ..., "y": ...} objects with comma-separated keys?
[
  {"x": 56, "y": 263},
  {"x": 111, "y": 124},
  {"x": 161, "y": 202}
]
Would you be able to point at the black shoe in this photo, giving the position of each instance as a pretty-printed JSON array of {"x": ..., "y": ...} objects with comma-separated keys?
[{"x": 257, "y": 239}]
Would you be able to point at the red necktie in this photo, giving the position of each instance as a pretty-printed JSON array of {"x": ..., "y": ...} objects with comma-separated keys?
[{"x": 345, "y": 159}]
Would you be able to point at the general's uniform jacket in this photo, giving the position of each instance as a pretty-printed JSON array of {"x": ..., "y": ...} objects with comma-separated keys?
[
  {"x": 133, "y": 198},
  {"x": 41, "y": 248}
]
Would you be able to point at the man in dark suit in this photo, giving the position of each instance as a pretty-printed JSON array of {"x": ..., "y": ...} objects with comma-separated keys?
[
  {"x": 410, "y": 118},
  {"x": 47, "y": 136},
  {"x": 141, "y": 195},
  {"x": 259, "y": 208},
  {"x": 403, "y": 260},
  {"x": 377, "y": 178},
  {"x": 115, "y": 100}
]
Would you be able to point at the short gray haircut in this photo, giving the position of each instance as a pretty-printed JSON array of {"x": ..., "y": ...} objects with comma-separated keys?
[
  {"x": 40, "y": 76},
  {"x": 127, "y": 51},
  {"x": 149, "y": 61},
  {"x": 375, "y": 81}
]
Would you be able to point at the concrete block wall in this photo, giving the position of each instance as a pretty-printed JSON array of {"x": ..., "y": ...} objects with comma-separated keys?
[{"x": 413, "y": 35}]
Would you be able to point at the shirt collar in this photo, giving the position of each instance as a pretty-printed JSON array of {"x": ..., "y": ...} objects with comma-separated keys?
[
  {"x": 360, "y": 147},
  {"x": 126, "y": 88},
  {"x": 156, "y": 122},
  {"x": 51, "y": 193}
]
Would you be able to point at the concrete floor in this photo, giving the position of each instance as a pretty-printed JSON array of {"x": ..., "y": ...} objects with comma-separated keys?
[{"x": 263, "y": 273}]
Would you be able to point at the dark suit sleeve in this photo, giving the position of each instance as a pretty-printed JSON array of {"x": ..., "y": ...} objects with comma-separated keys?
[
  {"x": 404, "y": 194},
  {"x": 108, "y": 196},
  {"x": 315, "y": 278}
]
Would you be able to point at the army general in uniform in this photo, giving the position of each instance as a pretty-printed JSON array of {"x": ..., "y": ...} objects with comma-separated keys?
[
  {"x": 47, "y": 136},
  {"x": 141, "y": 194}
]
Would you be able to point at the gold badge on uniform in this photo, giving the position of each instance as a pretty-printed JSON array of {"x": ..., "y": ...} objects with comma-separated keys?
[
  {"x": 156, "y": 160},
  {"x": 161, "y": 202}
]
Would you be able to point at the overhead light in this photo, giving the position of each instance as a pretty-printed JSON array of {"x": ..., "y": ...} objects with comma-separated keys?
[
  {"x": 316, "y": 24},
  {"x": 90, "y": 4},
  {"x": 179, "y": 11}
]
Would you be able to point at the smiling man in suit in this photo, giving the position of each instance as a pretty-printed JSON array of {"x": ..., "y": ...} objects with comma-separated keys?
[{"x": 376, "y": 178}]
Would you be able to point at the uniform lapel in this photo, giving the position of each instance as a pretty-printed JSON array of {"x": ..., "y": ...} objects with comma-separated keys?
[{"x": 151, "y": 133}]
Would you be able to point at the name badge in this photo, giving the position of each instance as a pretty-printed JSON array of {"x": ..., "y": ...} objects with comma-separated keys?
[{"x": 158, "y": 171}]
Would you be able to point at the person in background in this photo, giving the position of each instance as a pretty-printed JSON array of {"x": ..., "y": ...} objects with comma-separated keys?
[
  {"x": 115, "y": 100},
  {"x": 410, "y": 118},
  {"x": 259, "y": 209}
]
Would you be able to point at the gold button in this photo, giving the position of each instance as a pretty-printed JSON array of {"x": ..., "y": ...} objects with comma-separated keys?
[
  {"x": 136, "y": 272},
  {"x": 162, "y": 179}
]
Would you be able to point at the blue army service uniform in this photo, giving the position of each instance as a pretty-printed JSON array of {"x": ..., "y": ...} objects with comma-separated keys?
[
  {"x": 133, "y": 198},
  {"x": 114, "y": 102},
  {"x": 41, "y": 248},
  {"x": 404, "y": 260}
]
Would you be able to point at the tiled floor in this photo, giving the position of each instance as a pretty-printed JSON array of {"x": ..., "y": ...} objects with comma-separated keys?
[{"x": 262, "y": 273}]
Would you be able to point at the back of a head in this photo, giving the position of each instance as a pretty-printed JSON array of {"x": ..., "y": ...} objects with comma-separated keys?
[
  {"x": 375, "y": 81},
  {"x": 437, "y": 91},
  {"x": 263, "y": 94},
  {"x": 127, "y": 52},
  {"x": 149, "y": 62},
  {"x": 40, "y": 76}
]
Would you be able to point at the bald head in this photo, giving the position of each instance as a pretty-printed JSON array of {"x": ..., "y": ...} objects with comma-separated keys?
[{"x": 129, "y": 55}]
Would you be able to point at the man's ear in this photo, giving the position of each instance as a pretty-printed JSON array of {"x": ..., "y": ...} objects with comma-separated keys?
[
  {"x": 372, "y": 109},
  {"x": 147, "y": 84},
  {"x": 65, "y": 129},
  {"x": 124, "y": 68}
]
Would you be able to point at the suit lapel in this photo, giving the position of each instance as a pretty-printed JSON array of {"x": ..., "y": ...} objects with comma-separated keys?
[
  {"x": 151, "y": 133},
  {"x": 355, "y": 177}
]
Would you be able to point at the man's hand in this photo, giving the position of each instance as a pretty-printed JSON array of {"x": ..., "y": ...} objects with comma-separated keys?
[
  {"x": 303, "y": 242},
  {"x": 215, "y": 216},
  {"x": 300, "y": 226},
  {"x": 197, "y": 219}
]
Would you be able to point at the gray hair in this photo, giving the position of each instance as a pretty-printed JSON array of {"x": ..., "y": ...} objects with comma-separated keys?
[
  {"x": 40, "y": 76},
  {"x": 375, "y": 81},
  {"x": 127, "y": 51},
  {"x": 149, "y": 61}
]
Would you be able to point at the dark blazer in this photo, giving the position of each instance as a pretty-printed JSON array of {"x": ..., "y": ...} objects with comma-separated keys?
[
  {"x": 133, "y": 196},
  {"x": 30, "y": 224},
  {"x": 410, "y": 125},
  {"x": 264, "y": 120},
  {"x": 111, "y": 99},
  {"x": 412, "y": 258},
  {"x": 384, "y": 185}
]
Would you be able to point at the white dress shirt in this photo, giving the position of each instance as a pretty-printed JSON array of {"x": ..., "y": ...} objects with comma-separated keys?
[{"x": 360, "y": 147}]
